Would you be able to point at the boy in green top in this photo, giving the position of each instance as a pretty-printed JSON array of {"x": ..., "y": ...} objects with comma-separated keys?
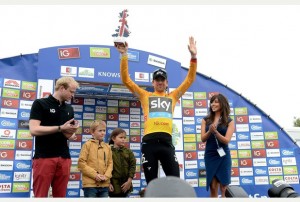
[{"x": 124, "y": 165}]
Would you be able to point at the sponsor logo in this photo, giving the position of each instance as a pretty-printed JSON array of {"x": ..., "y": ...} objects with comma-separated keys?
[
  {"x": 7, "y": 144},
  {"x": 261, "y": 171},
  {"x": 10, "y": 103},
  {"x": 23, "y": 114},
  {"x": 9, "y": 113},
  {"x": 261, "y": 180},
  {"x": 5, "y": 187},
  {"x": 287, "y": 152},
  {"x": 24, "y": 144},
  {"x": 201, "y": 146},
  {"x": 24, "y": 134},
  {"x": 274, "y": 161},
  {"x": 258, "y": 144},
  {"x": 113, "y": 117},
  {"x": 255, "y": 119},
  {"x": 256, "y": 127},
  {"x": 200, "y": 103},
  {"x": 244, "y": 145},
  {"x": 287, "y": 161},
  {"x": 190, "y": 164},
  {"x": 190, "y": 155},
  {"x": 23, "y": 124},
  {"x": 275, "y": 170},
  {"x": 141, "y": 76},
  {"x": 257, "y": 135},
  {"x": 156, "y": 61},
  {"x": 135, "y": 138},
  {"x": 133, "y": 56},
  {"x": 73, "y": 184},
  {"x": 273, "y": 152},
  {"x": 21, "y": 176},
  {"x": 271, "y": 135},
  {"x": 241, "y": 111},
  {"x": 290, "y": 170},
  {"x": 7, "y": 154},
  {"x": 22, "y": 165},
  {"x": 247, "y": 180},
  {"x": 28, "y": 95},
  {"x": 8, "y": 123},
  {"x": 242, "y": 127},
  {"x": 68, "y": 53},
  {"x": 272, "y": 144},
  {"x": 23, "y": 155},
  {"x": 10, "y": 83},
  {"x": 10, "y": 93},
  {"x": 74, "y": 176},
  {"x": 192, "y": 174},
  {"x": 26, "y": 85},
  {"x": 246, "y": 171},
  {"x": 77, "y": 101},
  {"x": 97, "y": 52},
  {"x": 189, "y": 129},
  {"x": 68, "y": 71},
  {"x": 21, "y": 187},
  {"x": 234, "y": 172},
  {"x": 243, "y": 136},
  {"x": 259, "y": 153},
  {"x": 25, "y": 104},
  {"x": 86, "y": 72},
  {"x": 188, "y": 112},
  {"x": 259, "y": 162},
  {"x": 245, "y": 162},
  {"x": 242, "y": 119},
  {"x": 200, "y": 95}
]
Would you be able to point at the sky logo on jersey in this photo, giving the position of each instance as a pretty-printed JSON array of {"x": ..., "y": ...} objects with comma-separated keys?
[
  {"x": 68, "y": 53},
  {"x": 160, "y": 107}
]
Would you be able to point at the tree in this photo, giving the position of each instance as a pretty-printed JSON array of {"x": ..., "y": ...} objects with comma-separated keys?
[{"x": 296, "y": 122}]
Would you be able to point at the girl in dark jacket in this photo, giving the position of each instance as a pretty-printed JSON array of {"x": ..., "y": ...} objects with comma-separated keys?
[{"x": 124, "y": 164}]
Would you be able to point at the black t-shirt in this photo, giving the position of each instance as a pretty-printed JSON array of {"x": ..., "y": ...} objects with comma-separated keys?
[{"x": 51, "y": 113}]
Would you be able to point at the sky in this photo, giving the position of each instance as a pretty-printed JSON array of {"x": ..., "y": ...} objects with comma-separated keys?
[{"x": 253, "y": 49}]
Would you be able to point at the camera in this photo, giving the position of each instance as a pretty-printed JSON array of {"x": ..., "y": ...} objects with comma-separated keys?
[{"x": 282, "y": 190}]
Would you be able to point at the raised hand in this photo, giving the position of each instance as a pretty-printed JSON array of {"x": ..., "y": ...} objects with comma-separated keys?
[
  {"x": 121, "y": 47},
  {"x": 192, "y": 47}
]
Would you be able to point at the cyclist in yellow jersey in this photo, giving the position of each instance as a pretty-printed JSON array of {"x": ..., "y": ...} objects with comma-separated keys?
[{"x": 158, "y": 108}]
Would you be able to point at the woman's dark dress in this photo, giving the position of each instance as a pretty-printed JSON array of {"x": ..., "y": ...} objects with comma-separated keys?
[{"x": 216, "y": 166}]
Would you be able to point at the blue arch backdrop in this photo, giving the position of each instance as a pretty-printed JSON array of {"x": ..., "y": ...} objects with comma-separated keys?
[{"x": 261, "y": 150}]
